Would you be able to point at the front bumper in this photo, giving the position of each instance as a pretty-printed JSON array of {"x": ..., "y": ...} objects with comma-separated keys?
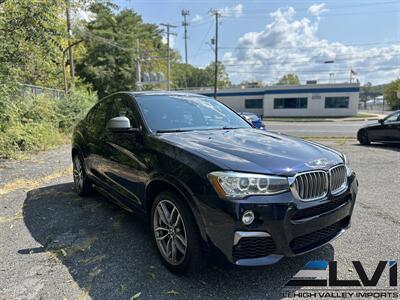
[{"x": 284, "y": 226}]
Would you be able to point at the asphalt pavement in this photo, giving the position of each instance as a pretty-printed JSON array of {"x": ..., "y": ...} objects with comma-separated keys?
[
  {"x": 56, "y": 245},
  {"x": 316, "y": 129}
]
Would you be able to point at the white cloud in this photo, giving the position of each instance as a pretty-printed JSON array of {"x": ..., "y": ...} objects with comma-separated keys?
[
  {"x": 290, "y": 44},
  {"x": 197, "y": 18},
  {"x": 171, "y": 40},
  {"x": 83, "y": 15},
  {"x": 234, "y": 11},
  {"x": 317, "y": 9}
]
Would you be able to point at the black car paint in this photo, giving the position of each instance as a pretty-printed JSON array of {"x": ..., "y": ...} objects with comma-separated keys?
[
  {"x": 130, "y": 167},
  {"x": 382, "y": 131}
]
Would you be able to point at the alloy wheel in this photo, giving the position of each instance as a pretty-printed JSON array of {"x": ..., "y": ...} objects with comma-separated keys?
[
  {"x": 170, "y": 232},
  {"x": 78, "y": 174}
]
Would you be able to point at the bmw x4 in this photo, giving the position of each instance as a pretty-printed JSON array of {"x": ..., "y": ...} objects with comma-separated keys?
[{"x": 208, "y": 182}]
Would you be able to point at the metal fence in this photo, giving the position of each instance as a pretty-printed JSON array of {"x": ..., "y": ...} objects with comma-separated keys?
[{"x": 28, "y": 89}]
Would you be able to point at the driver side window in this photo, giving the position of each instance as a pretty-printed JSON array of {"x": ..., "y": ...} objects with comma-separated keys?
[{"x": 121, "y": 108}]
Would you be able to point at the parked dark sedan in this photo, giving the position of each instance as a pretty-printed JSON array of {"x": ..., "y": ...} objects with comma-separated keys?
[
  {"x": 386, "y": 130},
  {"x": 252, "y": 119},
  {"x": 183, "y": 162}
]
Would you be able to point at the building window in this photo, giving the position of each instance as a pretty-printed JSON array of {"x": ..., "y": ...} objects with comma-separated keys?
[
  {"x": 253, "y": 103},
  {"x": 336, "y": 102},
  {"x": 283, "y": 103}
]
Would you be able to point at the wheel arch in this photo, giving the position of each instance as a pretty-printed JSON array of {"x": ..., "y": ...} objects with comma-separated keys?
[{"x": 158, "y": 185}]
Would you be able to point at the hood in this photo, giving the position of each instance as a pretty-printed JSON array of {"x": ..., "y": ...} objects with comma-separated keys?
[
  {"x": 255, "y": 151},
  {"x": 371, "y": 124}
]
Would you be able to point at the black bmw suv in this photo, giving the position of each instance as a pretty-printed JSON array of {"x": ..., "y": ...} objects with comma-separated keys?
[{"x": 208, "y": 182}]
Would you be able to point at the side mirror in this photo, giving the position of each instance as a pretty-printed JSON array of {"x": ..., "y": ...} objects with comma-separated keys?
[
  {"x": 120, "y": 124},
  {"x": 381, "y": 121}
]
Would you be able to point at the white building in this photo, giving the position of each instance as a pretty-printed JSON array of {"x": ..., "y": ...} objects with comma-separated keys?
[{"x": 311, "y": 100}]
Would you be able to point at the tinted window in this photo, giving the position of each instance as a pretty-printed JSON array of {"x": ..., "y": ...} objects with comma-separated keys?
[
  {"x": 121, "y": 108},
  {"x": 283, "y": 103},
  {"x": 182, "y": 112},
  {"x": 393, "y": 117},
  {"x": 100, "y": 117},
  {"x": 336, "y": 102},
  {"x": 90, "y": 114},
  {"x": 253, "y": 103}
]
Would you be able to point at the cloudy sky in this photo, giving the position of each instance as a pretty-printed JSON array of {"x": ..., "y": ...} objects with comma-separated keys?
[{"x": 263, "y": 40}]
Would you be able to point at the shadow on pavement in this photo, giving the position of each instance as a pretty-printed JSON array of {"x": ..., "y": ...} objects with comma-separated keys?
[{"x": 110, "y": 253}]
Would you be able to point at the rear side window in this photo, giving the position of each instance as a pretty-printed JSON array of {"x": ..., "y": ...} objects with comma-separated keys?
[
  {"x": 90, "y": 114},
  {"x": 100, "y": 116}
]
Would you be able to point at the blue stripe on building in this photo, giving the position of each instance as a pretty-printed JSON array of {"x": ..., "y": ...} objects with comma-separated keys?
[
  {"x": 254, "y": 93},
  {"x": 287, "y": 91}
]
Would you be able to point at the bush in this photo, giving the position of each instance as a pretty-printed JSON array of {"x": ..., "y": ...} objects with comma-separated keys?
[
  {"x": 31, "y": 123},
  {"x": 73, "y": 108}
]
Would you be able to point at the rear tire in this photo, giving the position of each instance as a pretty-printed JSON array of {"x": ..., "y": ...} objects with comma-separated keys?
[
  {"x": 83, "y": 185},
  {"x": 363, "y": 138},
  {"x": 175, "y": 234}
]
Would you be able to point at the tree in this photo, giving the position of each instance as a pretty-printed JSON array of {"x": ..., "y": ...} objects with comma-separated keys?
[
  {"x": 32, "y": 34},
  {"x": 109, "y": 63},
  {"x": 289, "y": 79},
  {"x": 188, "y": 76},
  {"x": 223, "y": 77},
  {"x": 391, "y": 93}
]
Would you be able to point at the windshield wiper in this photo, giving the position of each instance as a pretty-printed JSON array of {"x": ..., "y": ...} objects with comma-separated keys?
[
  {"x": 171, "y": 130},
  {"x": 226, "y": 128}
]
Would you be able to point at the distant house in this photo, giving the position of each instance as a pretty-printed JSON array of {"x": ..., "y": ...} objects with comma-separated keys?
[{"x": 310, "y": 100}]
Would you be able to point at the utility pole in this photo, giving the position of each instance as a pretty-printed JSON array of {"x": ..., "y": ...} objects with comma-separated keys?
[
  {"x": 185, "y": 13},
  {"x": 168, "y": 26},
  {"x": 216, "y": 14},
  {"x": 69, "y": 30},
  {"x": 138, "y": 67}
]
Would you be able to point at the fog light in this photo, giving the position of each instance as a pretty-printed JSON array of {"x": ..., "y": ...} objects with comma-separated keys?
[{"x": 248, "y": 217}]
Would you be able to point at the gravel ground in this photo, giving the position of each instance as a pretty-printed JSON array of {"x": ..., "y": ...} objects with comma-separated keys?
[{"x": 56, "y": 245}]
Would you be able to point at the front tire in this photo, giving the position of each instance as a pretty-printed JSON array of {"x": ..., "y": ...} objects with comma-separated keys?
[
  {"x": 363, "y": 138},
  {"x": 175, "y": 234},
  {"x": 83, "y": 185}
]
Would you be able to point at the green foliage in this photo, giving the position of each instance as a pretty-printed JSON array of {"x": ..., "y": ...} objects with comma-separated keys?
[
  {"x": 369, "y": 91},
  {"x": 31, "y": 34},
  {"x": 391, "y": 93},
  {"x": 30, "y": 123},
  {"x": 289, "y": 79},
  {"x": 188, "y": 76},
  {"x": 109, "y": 63},
  {"x": 74, "y": 107}
]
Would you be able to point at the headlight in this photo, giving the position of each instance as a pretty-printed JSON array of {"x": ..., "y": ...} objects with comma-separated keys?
[
  {"x": 239, "y": 185},
  {"x": 349, "y": 171}
]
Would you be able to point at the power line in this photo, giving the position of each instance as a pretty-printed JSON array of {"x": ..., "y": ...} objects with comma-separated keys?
[
  {"x": 369, "y": 70},
  {"x": 337, "y": 60},
  {"x": 313, "y": 47},
  {"x": 168, "y": 26},
  {"x": 203, "y": 40},
  {"x": 260, "y": 16}
]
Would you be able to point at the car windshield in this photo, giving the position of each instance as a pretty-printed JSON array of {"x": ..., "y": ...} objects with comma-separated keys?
[{"x": 169, "y": 113}]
